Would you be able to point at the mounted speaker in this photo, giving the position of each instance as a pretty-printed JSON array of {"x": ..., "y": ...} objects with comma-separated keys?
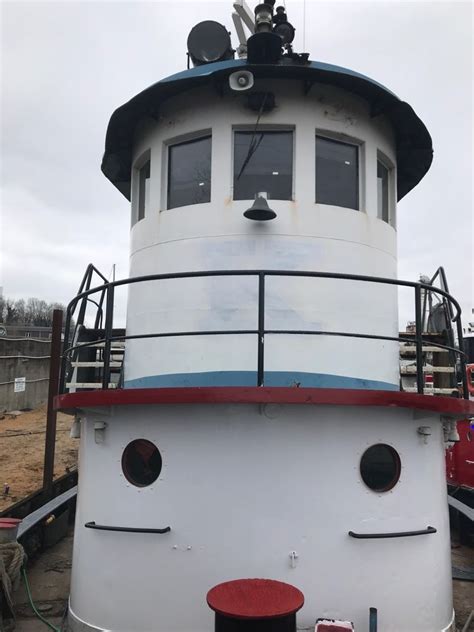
[{"x": 241, "y": 80}]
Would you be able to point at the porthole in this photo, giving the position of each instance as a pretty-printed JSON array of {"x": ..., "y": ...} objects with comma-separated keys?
[
  {"x": 380, "y": 467},
  {"x": 141, "y": 462}
]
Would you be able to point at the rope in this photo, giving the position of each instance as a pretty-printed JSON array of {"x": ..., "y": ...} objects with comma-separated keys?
[
  {"x": 12, "y": 568},
  {"x": 12, "y": 557}
]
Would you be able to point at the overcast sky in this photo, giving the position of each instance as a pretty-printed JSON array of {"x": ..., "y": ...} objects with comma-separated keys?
[{"x": 67, "y": 65}]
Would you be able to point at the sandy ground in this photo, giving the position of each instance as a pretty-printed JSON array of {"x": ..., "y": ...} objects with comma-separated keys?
[{"x": 22, "y": 452}]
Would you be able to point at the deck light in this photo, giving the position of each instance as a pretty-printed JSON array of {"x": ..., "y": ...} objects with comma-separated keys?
[
  {"x": 209, "y": 41},
  {"x": 282, "y": 27},
  {"x": 260, "y": 211},
  {"x": 265, "y": 47},
  {"x": 264, "y": 17}
]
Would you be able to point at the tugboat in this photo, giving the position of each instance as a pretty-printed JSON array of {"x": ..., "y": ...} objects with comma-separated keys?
[{"x": 247, "y": 458}]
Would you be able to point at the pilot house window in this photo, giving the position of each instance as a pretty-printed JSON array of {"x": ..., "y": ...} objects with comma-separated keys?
[
  {"x": 337, "y": 173},
  {"x": 263, "y": 162},
  {"x": 143, "y": 189},
  {"x": 383, "y": 192},
  {"x": 189, "y": 172}
]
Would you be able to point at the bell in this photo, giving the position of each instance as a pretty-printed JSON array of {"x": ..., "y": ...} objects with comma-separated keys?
[{"x": 260, "y": 211}]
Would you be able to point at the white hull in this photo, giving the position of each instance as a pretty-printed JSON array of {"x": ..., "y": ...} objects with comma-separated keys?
[{"x": 241, "y": 487}]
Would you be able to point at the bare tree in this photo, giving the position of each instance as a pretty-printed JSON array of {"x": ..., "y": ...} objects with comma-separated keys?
[
  {"x": 10, "y": 312},
  {"x": 34, "y": 311}
]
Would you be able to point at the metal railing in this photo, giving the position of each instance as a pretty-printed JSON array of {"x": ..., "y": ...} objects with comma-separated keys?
[
  {"x": 84, "y": 288},
  {"x": 107, "y": 291}
]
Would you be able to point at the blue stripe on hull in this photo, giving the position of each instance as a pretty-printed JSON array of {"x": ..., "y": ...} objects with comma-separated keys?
[{"x": 249, "y": 378}]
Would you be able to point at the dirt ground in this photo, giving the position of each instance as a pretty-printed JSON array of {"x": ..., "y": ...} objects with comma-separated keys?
[
  {"x": 22, "y": 440},
  {"x": 50, "y": 575}
]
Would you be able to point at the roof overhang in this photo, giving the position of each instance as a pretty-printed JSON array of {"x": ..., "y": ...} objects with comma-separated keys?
[{"x": 414, "y": 150}]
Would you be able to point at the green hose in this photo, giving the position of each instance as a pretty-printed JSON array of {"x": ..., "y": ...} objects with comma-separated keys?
[{"x": 28, "y": 592}]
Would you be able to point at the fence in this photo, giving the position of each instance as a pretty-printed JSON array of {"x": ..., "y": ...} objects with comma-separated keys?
[{"x": 24, "y": 372}]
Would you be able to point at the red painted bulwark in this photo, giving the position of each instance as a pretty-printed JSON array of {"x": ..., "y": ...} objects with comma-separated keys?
[
  {"x": 264, "y": 395},
  {"x": 255, "y": 599}
]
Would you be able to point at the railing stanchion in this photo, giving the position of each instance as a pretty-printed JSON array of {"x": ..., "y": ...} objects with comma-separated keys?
[
  {"x": 109, "y": 315},
  {"x": 419, "y": 341},
  {"x": 82, "y": 309},
  {"x": 261, "y": 328},
  {"x": 64, "y": 351},
  {"x": 51, "y": 413}
]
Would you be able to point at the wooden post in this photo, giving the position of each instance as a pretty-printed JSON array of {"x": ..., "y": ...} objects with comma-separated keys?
[{"x": 55, "y": 363}]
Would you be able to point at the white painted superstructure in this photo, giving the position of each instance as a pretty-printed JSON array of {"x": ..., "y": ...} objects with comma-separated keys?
[
  {"x": 305, "y": 236},
  {"x": 288, "y": 456}
]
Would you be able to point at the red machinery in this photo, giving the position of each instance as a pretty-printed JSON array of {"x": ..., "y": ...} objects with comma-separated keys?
[{"x": 460, "y": 468}]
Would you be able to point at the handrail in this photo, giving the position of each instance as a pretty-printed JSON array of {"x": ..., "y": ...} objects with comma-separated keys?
[
  {"x": 85, "y": 283},
  {"x": 440, "y": 272},
  {"x": 285, "y": 273},
  {"x": 107, "y": 290},
  {"x": 396, "y": 534},
  {"x": 103, "y": 527},
  {"x": 89, "y": 271},
  {"x": 221, "y": 332}
]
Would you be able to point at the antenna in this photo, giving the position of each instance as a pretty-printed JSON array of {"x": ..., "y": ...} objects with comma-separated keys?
[
  {"x": 242, "y": 47},
  {"x": 241, "y": 17},
  {"x": 245, "y": 14}
]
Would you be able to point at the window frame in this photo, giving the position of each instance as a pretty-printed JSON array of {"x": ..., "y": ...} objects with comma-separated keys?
[
  {"x": 397, "y": 463},
  {"x": 264, "y": 128},
  {"x": 138, "y": 165},
  {"x": 361, "y": 168},
  {"x": 392, "y": 202},
  {"x": 127, "y": 471},
  {"x": 165, "y": 175}
]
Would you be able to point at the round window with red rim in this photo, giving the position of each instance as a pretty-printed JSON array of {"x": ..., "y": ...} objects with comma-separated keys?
[{"x": 141, "y": 462}]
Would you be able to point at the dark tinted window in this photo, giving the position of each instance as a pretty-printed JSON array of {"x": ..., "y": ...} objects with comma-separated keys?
[
  {"x": 143, "y": 189},
  {"x": 263, "y": 162},
  {"x": 337, "y": 173},
  {"x": 141, "y": 462},
  {"x": 382, "y": 191},
  {"x": 380, "y": 467},
  {"x": 189, "y": 173}
]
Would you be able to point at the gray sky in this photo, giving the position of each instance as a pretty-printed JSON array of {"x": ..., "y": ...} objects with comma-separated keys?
[{"x": 67, "y": 65}]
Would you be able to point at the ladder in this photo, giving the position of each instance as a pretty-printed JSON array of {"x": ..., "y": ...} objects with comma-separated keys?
[
  {"x": 87, "y": 365},
  {"x": 440, "y": 366}
]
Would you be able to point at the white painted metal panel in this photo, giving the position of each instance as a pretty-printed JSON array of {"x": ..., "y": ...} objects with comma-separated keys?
[
  {"x": 241, "y": 487},
  {"x": 304, "y": 236}
]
